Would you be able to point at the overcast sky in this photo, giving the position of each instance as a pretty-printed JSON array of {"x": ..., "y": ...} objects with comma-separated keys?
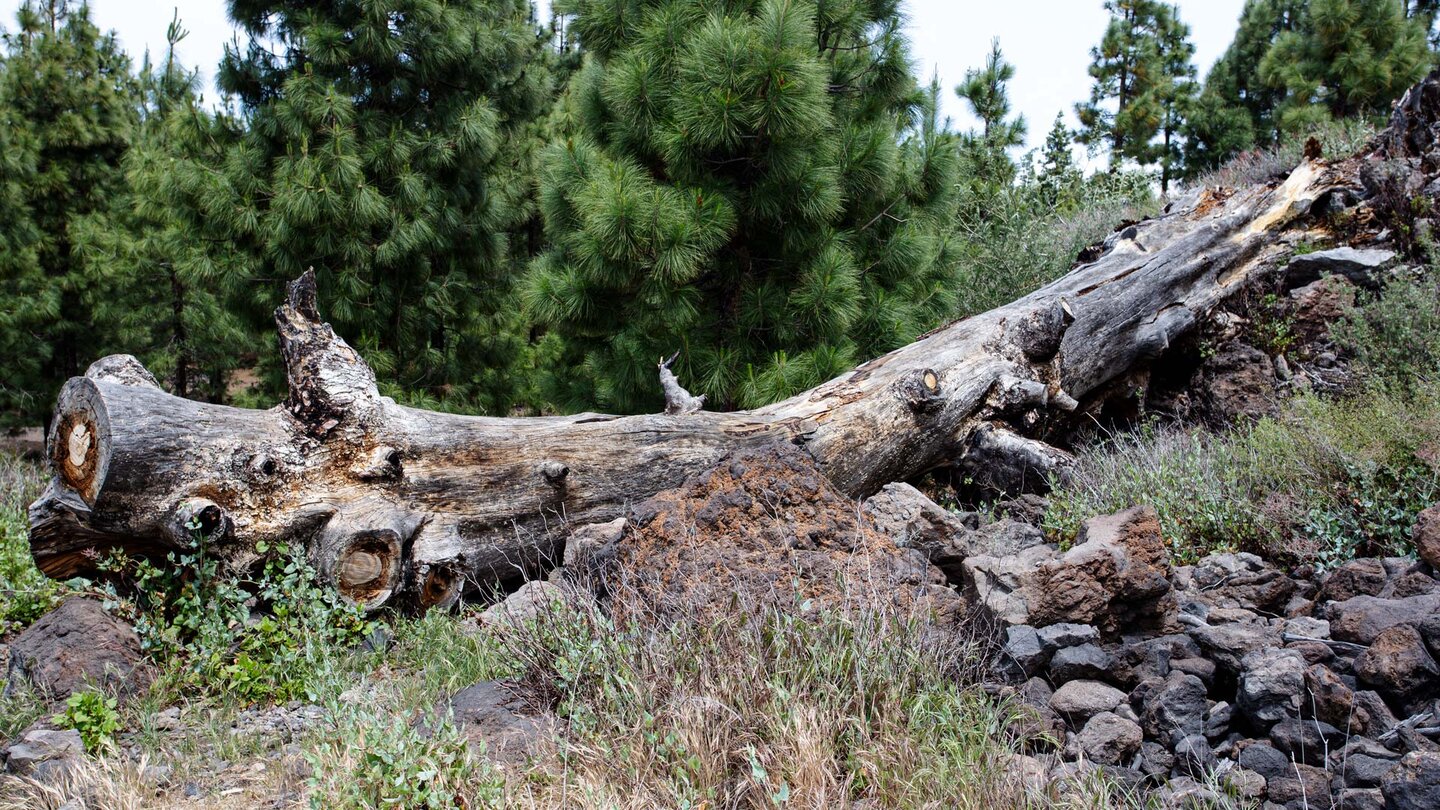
[{"x": 1049, "y": 42}]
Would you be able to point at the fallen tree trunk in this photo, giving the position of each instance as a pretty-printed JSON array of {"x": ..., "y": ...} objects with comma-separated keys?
[{"x": 404, "y": 506}]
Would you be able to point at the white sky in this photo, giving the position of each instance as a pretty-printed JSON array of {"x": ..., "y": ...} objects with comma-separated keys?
[{"x": 1049, "y": 42}]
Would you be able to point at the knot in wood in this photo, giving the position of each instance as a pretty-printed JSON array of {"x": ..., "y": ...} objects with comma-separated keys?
[
  {"x": 554, "y": 472},
  {"x": 920, "y": 390}
]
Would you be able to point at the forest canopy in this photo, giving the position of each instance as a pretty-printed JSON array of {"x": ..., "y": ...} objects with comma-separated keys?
[{"x": 516, "y": 214}]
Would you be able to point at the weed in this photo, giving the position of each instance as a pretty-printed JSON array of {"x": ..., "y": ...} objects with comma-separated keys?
[
  {"x": 260, "y": 639},
  {"x": 377, "y": 762},
  {"x": 1325, "y": 480},
  {"x": 1396, "y": 337},
  {"x": 95, "y": 715},
  {"x": 25, "y": 593}
]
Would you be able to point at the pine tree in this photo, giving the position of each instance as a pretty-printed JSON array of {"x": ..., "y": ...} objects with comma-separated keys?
[
  {"x": 986, "y": 93},
  {"x": 758, "y": 184},
  {"x": 1175, "y": 90},
  {"x": 1059, "y": 178},
  {"x": 170, "y": 304},
  {"x": 68, "y": 102},
  {"x": 1142, "y": 67},
  {"x": 1345, "y": 58},
  {"x": 388, "y": 147}
]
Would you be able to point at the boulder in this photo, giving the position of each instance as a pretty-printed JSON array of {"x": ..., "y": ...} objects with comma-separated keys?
[
  {"x": 1067, "y": 635},
  {"x": 1271, "y": 686},
  {"x": 1363, "y": 770},
  {"x": 1358, "y": 266},
  {"x": 590, "y": 548},
  {"x": 907, "y": 516},
  {"x": 1315, "y": 306},
  {"x": 1413, "y": 583},
  {"x": 1300, "y": 786},
  {"x": 1108, "y": 739},
  {"x": 534, "y": 599},
  {"x": 1087, "y": 661},
  {"x": 1398, "y": 665},
  {"x": 1242, "y": 581},
  {"x": 765, "y": 530},
  {"x": 1414, "y": 784},
  {"x": 1172, "y": 708},
  {"x": 78, "y": 646},
  {"x": 1329, "y": 699},
  {"x": 1427, "y": 536},
  {"x": 998, "y": 584},
  {"x": 1237, "y": 381},
  {"x": 1115, "y": 576},
  {"x": 38, "y": 746},
  {"x": 1081, "y": 700},
  {"x": 1218, "y": 719},
  {"x": 1308, "y": 741},
  {"x": 1194, "y": 758},
  {"x": 1228, "y": 644},
  {"x": 492, "y": 718},
  {"x": 1359, "y": 799},
  {"x": 1362, "y": 619},
  {"x": 1362, "y": 577},
  {"x": 1023, "y": 650},
  {"x": 1155, "y": 759},
  {"x": 1262, "y": 758}
]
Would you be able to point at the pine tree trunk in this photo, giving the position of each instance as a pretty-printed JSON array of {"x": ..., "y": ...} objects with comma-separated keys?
[{"x": 409, "y": 507}]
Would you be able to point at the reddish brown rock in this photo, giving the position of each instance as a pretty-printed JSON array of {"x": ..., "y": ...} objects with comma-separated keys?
[
  {"x": 1427, "y": 536},
  {"x": 1116, "y": 577},
  {"x": 765, "y": 528},
  {"x": 1398, "y": 665},
  {"x": 78, "y": 646}
]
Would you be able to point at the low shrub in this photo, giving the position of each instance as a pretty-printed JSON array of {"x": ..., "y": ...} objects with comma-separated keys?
[
  {"x": 1395, "y": 338},
  {"x": 816, "y": 710},
  {"x": 25, "y": 593},
  {"x": 1325, "y": 481},
  {"x": 369, "y": 762},
  {"x": 266, "y": 637}
]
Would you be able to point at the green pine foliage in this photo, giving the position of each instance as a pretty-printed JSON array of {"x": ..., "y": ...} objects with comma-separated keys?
[
  {"x": 67, "y": 116},
  {"x": 758, "y": 184},
  {"x": 986, "y": 92},
  {"x": 172, "y": 309},
  {"x": 1345, "y": 58},
  {"x": 1058, "y": 178},
  {"x": 1142, "y": 80},
  {"x": 387, "y": 145}
]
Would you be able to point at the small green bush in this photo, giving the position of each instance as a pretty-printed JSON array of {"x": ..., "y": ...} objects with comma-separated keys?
[
  {"x": 266, "y": 638},
  {"x": 1396, "y": 338},
  {"x": 1323, "y": 482},
  {"x": 1013, "y": 241},
  {"x": 825, "y": 709},
  {"x": 25, "y": 593},
  {"x": 372, "y": 762},
  {"x": 95, "y": 715}
]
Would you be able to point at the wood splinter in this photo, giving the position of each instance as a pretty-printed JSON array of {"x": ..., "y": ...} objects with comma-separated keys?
[{"x": 678, "y": 401}]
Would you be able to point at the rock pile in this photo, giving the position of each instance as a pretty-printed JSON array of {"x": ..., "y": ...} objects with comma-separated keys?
[{"x": 1293, "y": 690}]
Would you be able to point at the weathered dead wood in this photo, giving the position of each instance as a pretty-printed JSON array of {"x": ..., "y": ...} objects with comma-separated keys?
[{"x": 398, "y": 505}]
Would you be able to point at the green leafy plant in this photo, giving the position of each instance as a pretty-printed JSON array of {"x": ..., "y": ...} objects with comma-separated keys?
[
  {"x": 25, "y": 593},
  {"x": 261, "y": 637},
  {"x": 95, "y": 715},
  {"x": 1396, "y": 337},
  {"x": 374, "y": 762}
]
